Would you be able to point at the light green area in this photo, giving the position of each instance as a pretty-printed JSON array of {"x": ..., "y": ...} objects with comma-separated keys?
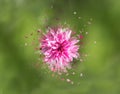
[{"x": 101, "y": 69}]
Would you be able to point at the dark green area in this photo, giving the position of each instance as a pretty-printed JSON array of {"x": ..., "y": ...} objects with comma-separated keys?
[{"x": 101, "y": 69}]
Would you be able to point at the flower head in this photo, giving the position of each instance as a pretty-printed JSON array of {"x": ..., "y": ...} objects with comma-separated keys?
[{"x": 59, "y": 48}]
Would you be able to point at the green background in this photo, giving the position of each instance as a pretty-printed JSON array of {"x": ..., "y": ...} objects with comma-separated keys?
[{"x": 101, "y": 69}]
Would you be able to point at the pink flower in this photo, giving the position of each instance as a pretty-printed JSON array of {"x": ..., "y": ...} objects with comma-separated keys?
[{"x": 59, "y": 48}]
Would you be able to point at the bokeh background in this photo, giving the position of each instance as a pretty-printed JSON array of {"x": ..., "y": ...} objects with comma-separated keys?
[{"x": 101, "y": 69}]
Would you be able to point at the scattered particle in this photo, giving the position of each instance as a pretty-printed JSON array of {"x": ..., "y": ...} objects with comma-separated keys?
[
  {"x": 78, "y": 83},
  {"x": 81, "y": 74},
  {"x": 60, "y": 73},
  {"x": 51, "y": 6},
  {"x": 89, "y": 22},
  {"x": 53, "y": 69},
  {"x": 91, "y": 19},
  {"x": 65, "y": 23},
  {"x": 26, "y": 37},
  {"x": 53, "y": 75},
  {"x": 80, "y": 31},
  {"x": 81, "y": 43},
  {"x": 57, "y": 19},
  {"x": 73, "y": 73},
  {"x": 72, "y": 82},
  {"x": 68, "y": 80},
  {"x": 37, "y": 52},
  {"x": 67, "y": 74},
  {"x": 86, "y": 55},
  {"x": 38, "y": 30},
  {"x": 81, "y": 60},
  {"x": 40, "y": 48},
  {"x": 73, "y": 32},
  {"x": 62, "y": 79},
  {"x": 81, "y": 36},
  {"x": 94, "y": 42},
  {"x": 86, "y": 33},
  {"x": 26, "y": 44},
  {"x": 74, "y": 12},
  {"x": 33, "y": 43},
  {"x": 31, "y": 34},
  {"x": 37, "y": 65},
  {"x": 79, "y": 17},
  {"x": 36, "y": 48}
]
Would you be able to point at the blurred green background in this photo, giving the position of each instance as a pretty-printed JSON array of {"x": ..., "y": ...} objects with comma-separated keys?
[{"x": 101, "y": 69}]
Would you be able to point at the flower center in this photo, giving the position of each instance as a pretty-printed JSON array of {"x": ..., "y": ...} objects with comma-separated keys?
[{"x": 60, "y": 48}]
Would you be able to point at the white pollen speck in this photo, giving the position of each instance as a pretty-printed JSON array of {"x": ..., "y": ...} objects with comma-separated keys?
[
  {"x": 78, "y": 83},
  {"x": 86, "y": 55},
  {"x": 26, "y": 44},
  {"x": 73, "y": 73},
  {"x": 89, "y": 22},
  {"x": 81, "y": 60},
  {"x": 86, "y": 33},
  {"x": 80, "y": 31},
  {"x": 65, "y": 22},
  {"x": 51, "y": 6},
  {"x": 72, "y": 82},
  {"x": 68, "y": 80},
  {"x": 94, "y": 42},
  {"x": 81, "y": 74},
  {"x": 79, "y": 17},
  {"x": 67, "y": 74},
  {"x": 60, "y": 73},
  {"x": 74, "y": 12},
  {"x": 91, "y": 19}
]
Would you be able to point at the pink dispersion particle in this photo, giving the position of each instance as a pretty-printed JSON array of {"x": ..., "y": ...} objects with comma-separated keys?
[
  {"x": 81, "y": 36},
  {"x": 62, "y": 79},
  {"x": 73, "y": 32},
  {"x": 59, "y": 48}
]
